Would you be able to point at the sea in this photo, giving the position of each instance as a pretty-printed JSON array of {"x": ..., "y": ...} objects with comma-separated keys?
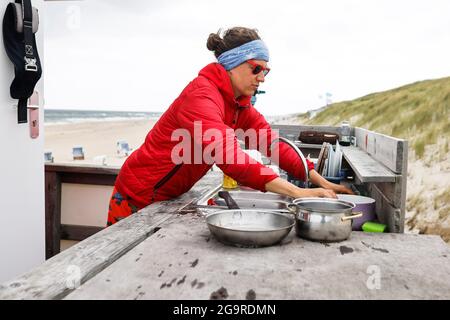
[{"x": 59, "y": 116}]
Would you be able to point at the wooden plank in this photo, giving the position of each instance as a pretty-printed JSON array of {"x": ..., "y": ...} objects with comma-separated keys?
[
  {"x": 198, "y": 266},
  {"x": 52, "y": 213},
  {"x": 393, "y": 153},
  {"x": 386, "y": 212},
  {"x": 89, "y": 178},
  {"x": 401, "y": 197},
  {"x": 54, "y": 279},
  {"x": 78, "y": 168},
  {"x": 83, "y": 260},
  {"x": 365, "y": 167},
  {"x": 392, "y": 191},
  {"x": 294, "y": 130},
  {"x": 310, "y": 146},
  {"x": 395, "y": 192},
  {"x": 78, "y": 233},
  {"x": 387, "y": 150}
]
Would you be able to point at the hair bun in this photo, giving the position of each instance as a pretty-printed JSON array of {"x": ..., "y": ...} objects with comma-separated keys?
[{"x": 214, "y": 41}]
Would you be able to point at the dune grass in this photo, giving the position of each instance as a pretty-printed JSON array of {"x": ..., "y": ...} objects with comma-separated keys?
[
  {"x": 442, "y": 202},
  {"x": 418, "y": 112}
]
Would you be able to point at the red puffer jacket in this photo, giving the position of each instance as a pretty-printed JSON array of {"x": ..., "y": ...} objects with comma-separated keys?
[{"x": 149, "y": 174}]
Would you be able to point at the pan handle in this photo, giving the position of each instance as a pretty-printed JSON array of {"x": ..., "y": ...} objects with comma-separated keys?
[
  {"x": 354, "y": 215},
  {"x": 228, "y": 199}
]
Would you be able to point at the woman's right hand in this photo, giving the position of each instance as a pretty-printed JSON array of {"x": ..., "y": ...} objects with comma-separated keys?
[{"x": 323, "y": 193}]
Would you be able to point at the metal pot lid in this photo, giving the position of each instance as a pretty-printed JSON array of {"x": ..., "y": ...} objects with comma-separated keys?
[
  {"x": 327, "y": 205},
  {"x": 356, "y": 199}
]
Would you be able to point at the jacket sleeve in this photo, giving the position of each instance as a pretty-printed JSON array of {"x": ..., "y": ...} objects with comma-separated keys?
[
  {"x": 201, "y": 114},
  {"x": 288, "y": 159}
]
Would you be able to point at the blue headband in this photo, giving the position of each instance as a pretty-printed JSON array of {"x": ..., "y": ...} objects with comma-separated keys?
[{"x": 255, "y": 49}]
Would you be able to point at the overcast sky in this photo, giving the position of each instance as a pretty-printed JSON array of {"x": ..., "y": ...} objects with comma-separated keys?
[{"x": 140, "y": 54}]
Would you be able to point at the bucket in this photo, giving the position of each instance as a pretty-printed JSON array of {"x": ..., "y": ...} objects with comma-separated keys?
[{"x": 363, "y": 204}]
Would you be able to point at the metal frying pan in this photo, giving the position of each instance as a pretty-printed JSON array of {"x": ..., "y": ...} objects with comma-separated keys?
[{"x": 249, "y": 227}]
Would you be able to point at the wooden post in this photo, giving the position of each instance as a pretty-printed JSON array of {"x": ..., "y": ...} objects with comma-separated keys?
[{"x": 52, "y": 213}]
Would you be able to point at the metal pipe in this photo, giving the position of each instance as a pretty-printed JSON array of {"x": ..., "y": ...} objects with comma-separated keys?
[{"x": 299, "y": 153}]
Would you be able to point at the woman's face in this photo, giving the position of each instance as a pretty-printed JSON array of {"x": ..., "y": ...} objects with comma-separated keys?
[{"x": 243, "y": 81}]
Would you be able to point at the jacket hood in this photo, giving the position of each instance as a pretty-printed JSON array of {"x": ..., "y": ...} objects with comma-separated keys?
[{"x": 217, "y": 74}]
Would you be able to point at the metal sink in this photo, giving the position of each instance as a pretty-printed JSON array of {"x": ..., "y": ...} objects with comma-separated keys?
[{"x": 245, "y": 199}]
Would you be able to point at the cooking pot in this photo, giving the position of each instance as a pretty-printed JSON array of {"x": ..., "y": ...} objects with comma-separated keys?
[
  {"x": 249, "y": 228},
  {"x": 323, "y": 219},
  {"x": 365, "y": 205}
]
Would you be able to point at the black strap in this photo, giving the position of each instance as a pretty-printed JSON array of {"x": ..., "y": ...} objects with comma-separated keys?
[
  {"x": 29, "y": 58},
  {"x": 27, "y": 12},
  {"x": 22, "y": 111}
]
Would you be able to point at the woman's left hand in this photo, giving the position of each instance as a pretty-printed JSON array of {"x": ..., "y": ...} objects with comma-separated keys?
[
  {"x": 320, "y": 181},
  {"x": 339, "y": 188}
]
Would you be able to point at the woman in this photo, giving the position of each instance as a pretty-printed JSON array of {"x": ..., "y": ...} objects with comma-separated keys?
[{"x": 218, "y": 101}]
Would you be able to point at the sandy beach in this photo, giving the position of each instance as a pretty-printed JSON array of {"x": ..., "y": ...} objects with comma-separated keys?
[{"x": 97, "y": 139}]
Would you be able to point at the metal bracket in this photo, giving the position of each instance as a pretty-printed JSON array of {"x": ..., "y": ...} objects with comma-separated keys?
[{"x": 30, "y": 64}]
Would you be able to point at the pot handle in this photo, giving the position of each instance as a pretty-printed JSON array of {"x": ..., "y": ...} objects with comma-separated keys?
[
  {"x": 292, "y": 208},
  {"x": 354, "y": 215}
]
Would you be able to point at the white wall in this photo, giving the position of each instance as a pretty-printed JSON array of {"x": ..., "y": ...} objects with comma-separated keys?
[
  {"x": 85, "y": 205},
  {"x": 22, "y": 213}
]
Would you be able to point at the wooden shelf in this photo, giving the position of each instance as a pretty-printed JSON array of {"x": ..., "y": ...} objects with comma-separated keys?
[
  {"x": 309, "y": 145},
  {"x": 366, "y": 168}
]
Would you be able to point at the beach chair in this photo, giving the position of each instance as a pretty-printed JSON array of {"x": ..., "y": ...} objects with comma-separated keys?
[
  {"x": 48, "y": 157},
  {"x": 77, "y": 153},
  {"x": 123, "y": 148}
]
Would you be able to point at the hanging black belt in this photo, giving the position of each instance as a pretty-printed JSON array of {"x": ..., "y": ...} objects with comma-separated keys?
[
  {"x": 29, "y": 58},
  {"x": 20, "y": 45}
]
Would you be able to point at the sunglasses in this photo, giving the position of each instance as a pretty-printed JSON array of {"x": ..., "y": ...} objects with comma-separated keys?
[{"x": 257, "y": 68}]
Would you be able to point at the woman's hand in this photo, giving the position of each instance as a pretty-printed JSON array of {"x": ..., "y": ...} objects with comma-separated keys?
[
  {"x": 339, "y": 188},
  {"x": 323, "y": 193},
  {"x": 281, "y": 186},
  {"x": 320, "y": 181},
  {"x": 316, "y": 193}
]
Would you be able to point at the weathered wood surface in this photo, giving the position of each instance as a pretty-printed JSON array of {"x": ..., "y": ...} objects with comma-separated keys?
[
  {"x": 84, "y": 173},
  {"x": 52, "y": 213},
  {"x": 387, "y": 213},
  {"x": 183, "y": 261},
  {"x": 390, "y": 195},
  {"x": 77, "y": 232},
  {"x": 293, "y": 131},
  {"x": 392, "y": 191},
  {"x": 387, "y": 150},
  {"x": 54, "y": 279},
  {"x": 367, "y": 168},
  {"x": 82, "y": 168},
  {"x": 401, "y": 187}
]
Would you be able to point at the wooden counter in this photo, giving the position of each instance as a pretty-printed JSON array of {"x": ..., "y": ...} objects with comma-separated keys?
[{"x": 159, "y": 253}]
